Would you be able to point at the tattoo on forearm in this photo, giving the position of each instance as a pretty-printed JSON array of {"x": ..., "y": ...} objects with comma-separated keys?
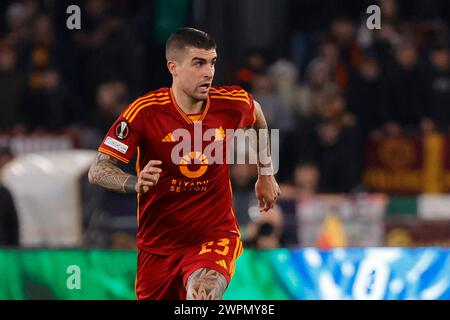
[
  {"x": 130, "y": 183},
  {"x": 105, "y": 173},
  {"x": 206, "y": 284}
]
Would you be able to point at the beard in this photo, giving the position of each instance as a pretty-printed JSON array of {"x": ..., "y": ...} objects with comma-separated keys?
[{"x": 196, "y": 96}]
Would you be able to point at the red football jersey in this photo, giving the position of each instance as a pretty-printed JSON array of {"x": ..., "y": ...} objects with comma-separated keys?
[{"x": 191, "y": 201}]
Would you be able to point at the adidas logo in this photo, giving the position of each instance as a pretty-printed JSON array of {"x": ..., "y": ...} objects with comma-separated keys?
[
  {"x": 169, "y": 138},
  {"x": 222, "y": 263}
]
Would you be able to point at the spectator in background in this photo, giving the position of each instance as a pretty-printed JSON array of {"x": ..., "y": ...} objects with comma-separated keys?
[
  {"x": 111, "y": 49},
  {"x": 48, "y": 102},
  {"x": 364, "y": 95},
  {"x": 339, "y": 155},
  {"x": 389, "y": 10},
  {"x": 11, "y": 87},
  {"x": 438, "y": 89},
  {"x": 404, "y": 95},
  {"x": 277, "y": 114},
  {"x": 380, "y": 42},
  {"x": 317, "y": 77},
  {"x": 9, "y": 223},
  {"x": 19, "y": 25},
  {"x": 330, "y": 51},
  {"x": 112, "y": 98},
  {"x": 307, "y": 21},
  {"x": 329, "y": 138},
  {"x": 339, "y": 161},
  {"x": 256, "y": 62},
  {"x": 302, "y": 143},
  {"x": 284, "y": 75},
  {"x": 265, "y": 230},
  {"x": 99, "y": 25},
  {"x": 305, "y": 182},
  {"x": 343, "y": 33}
]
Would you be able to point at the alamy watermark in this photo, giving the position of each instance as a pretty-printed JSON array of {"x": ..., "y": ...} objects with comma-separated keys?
[
  {"x": 228, "y": 146},
  {"x": 73, "y": 22},
  {"x": 73, "y": 281},
  {"x": 374, "y": 20}
]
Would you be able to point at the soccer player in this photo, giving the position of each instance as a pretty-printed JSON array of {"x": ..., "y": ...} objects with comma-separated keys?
[{"x": 188, "y": 237}]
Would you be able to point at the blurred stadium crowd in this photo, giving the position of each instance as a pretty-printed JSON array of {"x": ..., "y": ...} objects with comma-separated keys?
[{"x": 331, "y": 87}]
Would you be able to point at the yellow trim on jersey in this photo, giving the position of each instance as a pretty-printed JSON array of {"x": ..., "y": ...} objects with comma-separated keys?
[
  {"x": 195, "y": 117},
  {"x": 231, "y": 98},
  {"x": 254, "y": 113},
  {"x": 224, "y": 91},
  {"x": 232, "y": 210},
  {"x": 222, "y": 263},
  {"x": 147, "y": 97},
  {"x": 180, "y": 111},
  {"x": 145, "y": 106},
  {"x": 138, "y": 171},
  {"x": 208, "y": 102},
  {"x": 187, "y": 116},
  {"x": 112, "y": 154},
  {"x": 160, "y": 95},
  {"x": 235, "y": 225},
  {"x": 235, "y": 95},
  {"x": 142, "y": 102},
  {"x": 235, "y": 255},
  {"x": 138, "y": 156},
  {"x": 238, "y": 237}
]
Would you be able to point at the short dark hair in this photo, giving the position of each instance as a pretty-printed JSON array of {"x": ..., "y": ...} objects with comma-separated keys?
[{"x": 189, "y": 37}]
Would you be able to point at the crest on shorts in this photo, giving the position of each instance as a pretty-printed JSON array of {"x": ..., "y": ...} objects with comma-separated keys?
[{"x": 122, "y": 130}]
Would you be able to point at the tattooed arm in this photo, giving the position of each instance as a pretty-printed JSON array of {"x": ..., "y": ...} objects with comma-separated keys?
[
  {"x": 267, "y": 189},
  {"x": 205, "y": 284},
  {"x": 263, "y": 145},
  {"x": 106, "y": 173}
]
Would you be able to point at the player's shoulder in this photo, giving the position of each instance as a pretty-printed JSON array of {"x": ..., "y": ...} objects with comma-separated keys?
[
  {"x": 228, "y": 90},
  {"x": 147, "y": 103},
  {"x": 155, "y": 95},
  {"x": 230, "y": 95}
]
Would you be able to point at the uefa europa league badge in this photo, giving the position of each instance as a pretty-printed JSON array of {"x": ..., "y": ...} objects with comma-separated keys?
[{"x": 122, "y": 130}]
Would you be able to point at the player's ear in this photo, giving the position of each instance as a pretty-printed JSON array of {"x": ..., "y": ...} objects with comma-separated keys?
[{"x": 171, "y": 65}]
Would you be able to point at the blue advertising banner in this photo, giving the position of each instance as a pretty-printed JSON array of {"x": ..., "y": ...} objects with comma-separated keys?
[{"x": 373, "y": 273}]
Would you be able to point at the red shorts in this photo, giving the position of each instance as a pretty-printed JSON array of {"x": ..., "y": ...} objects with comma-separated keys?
[{"x": 164, "y": 277}]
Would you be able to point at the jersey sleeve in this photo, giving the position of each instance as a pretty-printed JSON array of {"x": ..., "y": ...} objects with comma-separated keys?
[
  {"x": 248, "y": 114},
  {"x": 123, "y": 137},
  {"x": 237, "y": 99}
]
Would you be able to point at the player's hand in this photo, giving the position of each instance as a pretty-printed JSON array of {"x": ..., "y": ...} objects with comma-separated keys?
[
  {"x": 267, "y": 192},
  {"x": 148, "y": 177}
]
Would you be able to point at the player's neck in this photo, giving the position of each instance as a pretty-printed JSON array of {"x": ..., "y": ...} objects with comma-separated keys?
[{"x": 186, "y": 103}]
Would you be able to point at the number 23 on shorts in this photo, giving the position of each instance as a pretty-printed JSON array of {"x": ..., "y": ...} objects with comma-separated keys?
[{"x": 220, "y": 246}]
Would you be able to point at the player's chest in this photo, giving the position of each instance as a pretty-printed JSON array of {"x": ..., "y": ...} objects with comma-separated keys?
[
  {"x": 165, "y": 131},
  {"x": 177, "y": 141}
]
